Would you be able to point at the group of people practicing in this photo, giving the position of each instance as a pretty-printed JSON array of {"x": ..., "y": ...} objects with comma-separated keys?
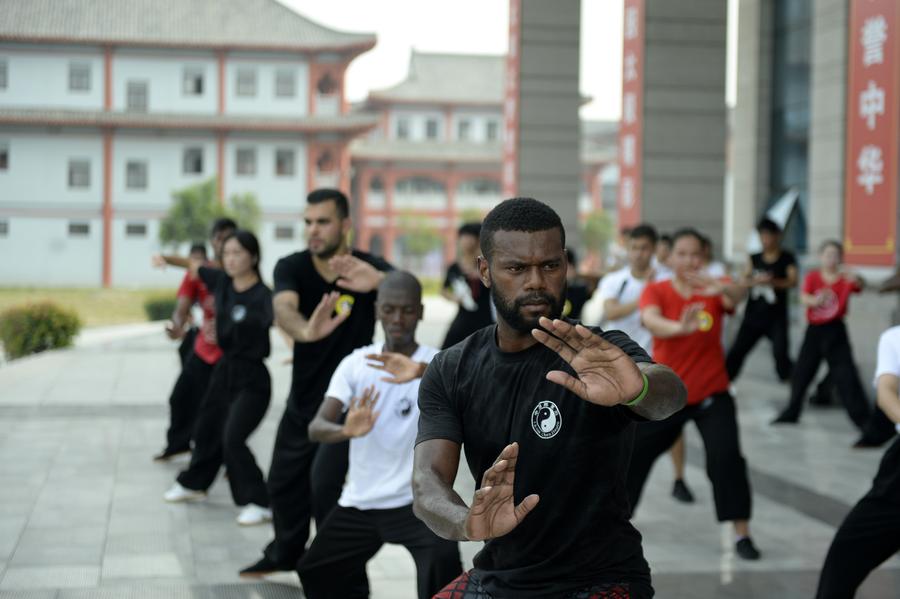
[{"x": 560, "y": 423}]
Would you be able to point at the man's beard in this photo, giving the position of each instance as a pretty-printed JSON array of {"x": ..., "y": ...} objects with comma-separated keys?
[
  {"x": 511, "y": 313},
  {"x": 328, "y": 251}
]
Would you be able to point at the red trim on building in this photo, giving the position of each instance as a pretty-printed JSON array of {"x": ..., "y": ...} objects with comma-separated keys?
[
  {"x": 107, "y": 79},
  {"x": 220, "y": 57},
  {"x": 511, "y": 102},
  {"x": 313, "y": 77},
  {"x": 107, "y": 208},
  {"x": 220, "y": 168}
]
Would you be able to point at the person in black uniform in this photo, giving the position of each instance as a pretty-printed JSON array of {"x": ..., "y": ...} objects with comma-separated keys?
[
  {"x": 240, "y": 388},
  {"x": 579, "y": 287},
  {"x": 558, "y": 396},
  {"x": 463, "y": 286},
  {"x": 325, "y": 301},
  {"x": 770, "y": 274}
]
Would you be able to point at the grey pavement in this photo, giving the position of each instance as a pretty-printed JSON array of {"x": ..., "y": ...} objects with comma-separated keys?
[{"x": 81, "y": 512}]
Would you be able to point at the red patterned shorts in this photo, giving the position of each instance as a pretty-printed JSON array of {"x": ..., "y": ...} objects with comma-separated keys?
[{"x": 468, "y": 587}]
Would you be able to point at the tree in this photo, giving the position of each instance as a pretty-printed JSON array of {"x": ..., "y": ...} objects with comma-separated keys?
[
  {"x": 597, "y": 231},
  {"x": 195, "y": 207},
  {"x": 419, "y": 235}
]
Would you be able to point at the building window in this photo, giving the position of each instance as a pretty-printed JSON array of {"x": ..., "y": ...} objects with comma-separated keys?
[
  {"x": 192, "y": 161},
  {"x": 79, "y": 77},
  {"x": 431, "y": 129},
  {"x": 246, "y": 82},
  {"x": 246, "y": 161},
  {"x": 135, "y": 175},
  {"x": 4, "y": 228},
  {"x": 284, "y": 163},
  {"x": 4, "y": 157},
  {"x": 135, "y": 229},
  {"x": 284, "y": 232},
  {"x": 79, "y": 229},
  {"x": 79, "y": 174},
  {"x": 493, "y": 131},
  {"x": 192, "y": 81},
  {"x": 136, "y": 96},
  {"x": 285, "y": 83},
  {"x": 403, "y": 128},
  {"x": 3, "y": 68},
  {"x": 463, "y": 129}
]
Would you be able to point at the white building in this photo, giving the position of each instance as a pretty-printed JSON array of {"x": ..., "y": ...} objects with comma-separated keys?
[{"x": 108, "y": 106}]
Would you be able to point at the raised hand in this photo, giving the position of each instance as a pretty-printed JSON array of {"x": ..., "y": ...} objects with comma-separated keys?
[
  {"x": 690, "y": 318},
  {"x": 157, "y": 261},
  {"x": 355, "y": 274},
  {"x": 604, "y": 374},
  {"x": 704, "y": 284},
  {"x": 323, "y": 321},
  {"x": 361, "y": 415},
  {"x": 402, "y": 368},
  {"x": 493, "y": 512}
]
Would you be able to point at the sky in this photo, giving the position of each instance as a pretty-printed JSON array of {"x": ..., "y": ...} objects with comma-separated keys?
[{"x": 470, "y": 27}]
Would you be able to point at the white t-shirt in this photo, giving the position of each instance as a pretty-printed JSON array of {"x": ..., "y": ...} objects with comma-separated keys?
[
  {"x": 621, "y": 285},
  {"x": 381, "y": 462},
  {"x": 888, "y": 355}
]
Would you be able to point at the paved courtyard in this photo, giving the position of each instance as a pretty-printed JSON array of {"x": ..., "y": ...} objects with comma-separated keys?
[{"x": 81, "y": 512}]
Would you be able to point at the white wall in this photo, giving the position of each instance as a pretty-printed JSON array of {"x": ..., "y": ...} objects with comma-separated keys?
[
  {"x": 40, "y": 252},
  {"x": 275, "y": 249},
  {"x": 479, "y": 120},
  {"x": 40, "y": 79},
  {"x": 417, "y": 119},
  {"x": 265, "y": 102},
  {"x": 164, "y": 74},
  {"x": 273, "y": 192},
  {"x": 131, "y": 265}
]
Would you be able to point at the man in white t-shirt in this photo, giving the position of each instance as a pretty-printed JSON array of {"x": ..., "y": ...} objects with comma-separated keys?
[
  {"x": 871, "y": 532},
  {"x": 381, "y": 423}
]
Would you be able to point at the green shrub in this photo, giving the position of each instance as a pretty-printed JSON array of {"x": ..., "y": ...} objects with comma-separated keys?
[
  {"x": 160, "y": 307},
  {"x": 35, "y": 328}
]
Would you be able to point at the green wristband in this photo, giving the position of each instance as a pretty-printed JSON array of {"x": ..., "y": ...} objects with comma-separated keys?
[{"x": 643, "y": 394}]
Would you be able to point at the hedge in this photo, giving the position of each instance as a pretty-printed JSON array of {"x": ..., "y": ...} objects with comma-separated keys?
[{"x": 34, "y": 328}]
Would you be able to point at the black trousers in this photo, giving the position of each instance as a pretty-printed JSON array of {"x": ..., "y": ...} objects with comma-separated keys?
[
  {"x": 184, "y": 401},
  {"x": 868, "y": 536},
  {"x": 772, "y": 324},
  {"x": 829, "y": 342},
  {"x": 186, "y": 347},
  {"x": 234, "y": 405},
  {"x": 305, "y": 481},
  {"x": 335, "y": 564},
  {"x": 716, "y": 419}
]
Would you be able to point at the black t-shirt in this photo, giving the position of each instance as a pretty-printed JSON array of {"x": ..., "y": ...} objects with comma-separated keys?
[
  {"x": 572, "y": 453},
  {"x": 778, "y": 270},
  {"x": 577, "y": 295},
  {"x": 315, "y": 362},
  {"x": 467, "y": 321},
  {"x": 243, "y": 318}
]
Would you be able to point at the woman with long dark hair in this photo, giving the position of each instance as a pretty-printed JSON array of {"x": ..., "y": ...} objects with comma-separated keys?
[{"x": 239, "y": 393}]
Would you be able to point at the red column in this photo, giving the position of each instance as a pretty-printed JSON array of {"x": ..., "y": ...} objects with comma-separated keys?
[
  {"x": 107, "y": 79},
  {"x": 448, "y": 124},
  {"x": 221, "y": 59},
  {"x": 452, "y": 181},
  {"x": 390, "y": 180},
  {"x": 107, "y": 208},
  {"x": 220, "y": 168},
  {"x": 362, "y": 226},
  {"x": 313, "y": 76}
]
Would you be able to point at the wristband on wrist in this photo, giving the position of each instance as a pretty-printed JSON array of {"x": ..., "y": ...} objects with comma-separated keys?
[{"x": 643, "y": 393}]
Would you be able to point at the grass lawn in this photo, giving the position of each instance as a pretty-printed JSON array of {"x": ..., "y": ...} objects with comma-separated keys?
[{"x": 95, "y": 307}]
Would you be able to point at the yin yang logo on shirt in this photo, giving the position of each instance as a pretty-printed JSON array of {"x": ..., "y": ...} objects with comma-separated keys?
[
  {"x": 404, "y": 407},
  {"x": 546, "y": 420},
  {"x": 238, "y": 312}
]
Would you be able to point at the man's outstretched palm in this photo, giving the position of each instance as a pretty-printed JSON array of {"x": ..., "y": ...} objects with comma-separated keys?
[
  {"x": 605, "y": 375},
  {"x": 494, "y": 512}
]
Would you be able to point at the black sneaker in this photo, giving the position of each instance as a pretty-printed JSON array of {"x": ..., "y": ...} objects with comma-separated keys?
[
  {"x": 746, "y": 549},
  {"x": 786, "y": 418},
  {"x": 168, "y": 454},
  {"x": 264, "y": 567},
  {"x": 681, "y": 492}
]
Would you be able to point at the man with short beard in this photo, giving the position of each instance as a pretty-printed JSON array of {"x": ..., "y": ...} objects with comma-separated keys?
[
  {"x": 325, "y": 301},
  {"x": 558, "y": 396}
]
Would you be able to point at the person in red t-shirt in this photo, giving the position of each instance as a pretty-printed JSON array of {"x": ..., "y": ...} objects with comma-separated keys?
[
  {"x": 826, "y": 294},
  {"x": 684, "y": 314}
]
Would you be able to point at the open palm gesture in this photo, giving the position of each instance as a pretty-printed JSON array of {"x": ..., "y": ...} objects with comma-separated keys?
[
  {"x": 494, "y": 512},
  {"x": 361, "y": 415},
  {"x": 323, "y": 321},
  {"x": 604, "y": 374},
  {"x": 355, "y": 274}
]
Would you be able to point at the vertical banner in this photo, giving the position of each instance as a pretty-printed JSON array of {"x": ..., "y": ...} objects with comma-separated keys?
[
  {"x": 631, "y": 125},
  {"x": 873, "y": 78},
  {"x": 511, "y": 103}
]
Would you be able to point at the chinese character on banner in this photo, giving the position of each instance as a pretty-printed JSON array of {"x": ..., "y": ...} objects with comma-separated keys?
[
  {"x": 871, "y": 168},
  {"x": 628, "y": 150},
  {"x": 632, "y": 23},
  {"x": 874, "y": 35},
  {"x": 627, "y": 192},
  {"x": 629, "y": 108},
  {"x": 630, "y": 67},
  {"x": 871, "y": 104}
]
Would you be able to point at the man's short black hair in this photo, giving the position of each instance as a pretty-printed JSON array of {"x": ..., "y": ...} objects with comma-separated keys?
[
  {"x": 665, "y": 238},
  {"x": 834, "y": 243},
  {"x": 473, "y": 229},
  {"x": 518, "y": 214},
  {"x": 767, "y": 225},
  {"x": 688, "y": 232},
  {"x": 571, "y": 256},
  {"x": 222, "y": 224},
  {"x": 402, "y": 280},
  {"x": 325, "y": 194},
  {"x": 199, "y": 248},
  {"x": 644, "y": 231}
]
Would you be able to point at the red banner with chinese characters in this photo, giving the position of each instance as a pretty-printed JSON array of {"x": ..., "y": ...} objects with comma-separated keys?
[
  {"x": 873, "y": 77},
  {"x": 511, "y": 103},
  {"x": 631, "y": 125}
]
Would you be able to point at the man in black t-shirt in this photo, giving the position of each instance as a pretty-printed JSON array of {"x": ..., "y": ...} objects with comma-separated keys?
[
  {"x": 556, "y": 524},
  {"x": 463, "y": 286},
  {"x": 770, "y": 274},
  {"x": 325, "y": 301}
]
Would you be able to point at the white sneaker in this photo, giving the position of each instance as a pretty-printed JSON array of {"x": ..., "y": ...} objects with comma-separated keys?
[
  {"x": 253, "y": 515},
  {"x": 178, "y": 494}
]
